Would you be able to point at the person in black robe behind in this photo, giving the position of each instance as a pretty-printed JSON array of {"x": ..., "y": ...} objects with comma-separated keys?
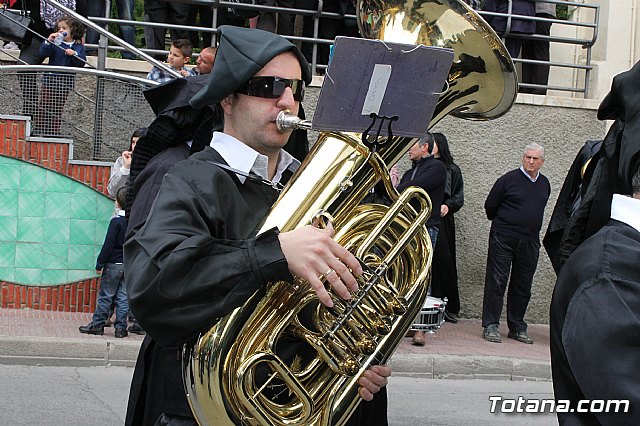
[
  {"x": 444, "y": 270},
  {"x": 595, "y": 327},
  {"x": 197, "y": 257},
  {"x": 607, "y": 173}
]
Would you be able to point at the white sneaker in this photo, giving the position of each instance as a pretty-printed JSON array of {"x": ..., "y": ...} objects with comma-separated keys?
[{"x": 11, "y": 45}]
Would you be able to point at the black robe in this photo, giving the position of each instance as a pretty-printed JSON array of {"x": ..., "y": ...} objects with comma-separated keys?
[
  {"x": 195, "y": 260},
  {"x": 444, "y": 271},
  {"x": 175, "y": 266},
  {"x": 569, "y": 200},
  {"x": 595, "y": 326},
  {"x": 608, "y": 173},
  {"x": 197, "y": 256},
  {"x": 147, "y": 184}
]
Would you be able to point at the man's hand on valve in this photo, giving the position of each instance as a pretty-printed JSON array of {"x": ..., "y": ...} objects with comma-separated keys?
[{"x": 312, "y": 254}]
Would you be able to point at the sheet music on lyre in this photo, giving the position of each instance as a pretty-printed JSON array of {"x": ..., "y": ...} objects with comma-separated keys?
[{"x": 388, "y": 79}]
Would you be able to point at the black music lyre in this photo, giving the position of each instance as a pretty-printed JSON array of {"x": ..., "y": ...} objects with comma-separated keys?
[{"x": 373, "y": 141}]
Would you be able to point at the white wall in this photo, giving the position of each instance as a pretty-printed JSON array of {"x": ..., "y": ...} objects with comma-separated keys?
[{"x": 616, "y": 50}]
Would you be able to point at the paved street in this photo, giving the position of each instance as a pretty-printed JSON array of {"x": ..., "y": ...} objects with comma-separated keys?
[
  {"x": 38, "y": 395},
  {"x": 415, "y": 402}
]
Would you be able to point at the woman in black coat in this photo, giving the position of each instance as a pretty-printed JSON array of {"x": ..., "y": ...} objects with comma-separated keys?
[{"x": 444, "y": 272}]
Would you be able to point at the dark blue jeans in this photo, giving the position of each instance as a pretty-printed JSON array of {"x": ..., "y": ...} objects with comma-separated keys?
[
  {"x": 125, "y": 12},
  {"x": 520, "y": 257},
  {"x": 433, "y": 234},
  {"x": 112, "y": 290}
]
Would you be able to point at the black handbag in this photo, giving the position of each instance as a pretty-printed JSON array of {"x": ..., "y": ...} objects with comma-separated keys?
[{"x": 13, "y": 25}]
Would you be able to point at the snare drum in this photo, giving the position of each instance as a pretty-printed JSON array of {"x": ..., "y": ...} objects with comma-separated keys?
[{"x": 431, "y": 317}]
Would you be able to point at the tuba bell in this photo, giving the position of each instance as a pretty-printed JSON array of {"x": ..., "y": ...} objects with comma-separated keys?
[{"x": 282, "y": 358}]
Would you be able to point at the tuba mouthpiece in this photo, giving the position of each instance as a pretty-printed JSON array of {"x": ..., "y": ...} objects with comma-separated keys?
[{"x": 285, "y": 121}]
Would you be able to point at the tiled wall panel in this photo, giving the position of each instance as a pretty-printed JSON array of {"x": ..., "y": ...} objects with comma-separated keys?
[{"x": 35, "y": 207}]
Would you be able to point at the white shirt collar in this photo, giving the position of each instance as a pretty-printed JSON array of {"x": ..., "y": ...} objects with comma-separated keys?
[
  {"x": 244, "y": 158},
  {"x": 626, "y": 209},
  {"x": 121, "y": 212},
  {"x": 528, "y": 176}
]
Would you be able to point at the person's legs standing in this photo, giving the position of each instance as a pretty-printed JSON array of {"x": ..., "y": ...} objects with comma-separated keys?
[
  {"x": 499, "y": 260},
  {"x": 267, "y": 20},
  {"x": 419, "y": 337},
  {"x": 156, "y": 10},
  {"x": 206, "y": 20},
  {"x": 179, "y": 15},
  {"x": 60, "y": 95},
  {"x": 285, "y": 20},
  {"x": 525, "y": 261},
  {"x": 327, "y": 29},
  {"x": 43, "y": 111},
  {"x": 109, "y": 283},
  {"x": 537, "y": 50},
  {"x": 122, "y": 304},
  {"x": 307, "y": 26},
  {"x": 125, "y": 11},
  {"x": 91, "y": 8},
  {"x": 120, "y": 297},
  {"x": 194, "y": 36},
  {"x": 28, "y": 81},
  {"x": 433, "y": 234},
  {"x": 513, "y": 45}
]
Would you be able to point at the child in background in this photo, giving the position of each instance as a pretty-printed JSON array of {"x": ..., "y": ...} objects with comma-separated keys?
[
  {"x": 112, "y": 285},
  {"x": 68, "y": 52},
  {"x": 179, "y": 56},
  {"x": 120, "y": 169}
]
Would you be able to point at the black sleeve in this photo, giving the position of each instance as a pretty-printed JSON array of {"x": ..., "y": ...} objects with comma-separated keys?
[
  {"x": 494, "y": 199},
  {"x": 108, "y": 246},
  {"x": 146, "y": 187},
  {"x": 613, "y": 349},
  {"x": 456, "y": 200},
  {"x": 183, "y": 274}
]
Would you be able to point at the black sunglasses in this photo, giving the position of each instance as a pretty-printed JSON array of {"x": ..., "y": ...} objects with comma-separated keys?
[{"x": 272, "y": 87}]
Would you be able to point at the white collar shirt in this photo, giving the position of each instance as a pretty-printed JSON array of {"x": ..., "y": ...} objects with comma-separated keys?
[
  {"x": 527, "y": 174},
  {"x": 627, "y": 210},
  {"x": 246, "y": 159}
]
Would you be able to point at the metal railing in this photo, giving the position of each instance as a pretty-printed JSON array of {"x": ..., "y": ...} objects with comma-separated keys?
[
  {"x": 103, "y": 108},
  {"x": 99, "y": 110},
  {"x": 585, "y": 43},
  {"x": 109, "y": 42}
]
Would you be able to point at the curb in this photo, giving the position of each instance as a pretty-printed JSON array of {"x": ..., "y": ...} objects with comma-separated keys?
[
  {"x": 52, "y": 351},
  {"x": 105, "y": 351},
  {"x": 470, "y": 367}
]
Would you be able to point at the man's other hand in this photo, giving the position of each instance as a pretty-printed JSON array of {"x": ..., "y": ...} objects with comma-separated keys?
[{"x": 372, "y": 380}]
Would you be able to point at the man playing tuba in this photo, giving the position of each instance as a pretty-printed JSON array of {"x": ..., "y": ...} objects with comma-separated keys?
[{"x": 198, "y": 258}]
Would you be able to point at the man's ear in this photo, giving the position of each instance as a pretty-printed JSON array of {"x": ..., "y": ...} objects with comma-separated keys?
[{"x": 226, "y": 104}]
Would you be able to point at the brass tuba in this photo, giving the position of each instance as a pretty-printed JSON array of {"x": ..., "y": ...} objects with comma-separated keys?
[{"x": 284, "y": 359}]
